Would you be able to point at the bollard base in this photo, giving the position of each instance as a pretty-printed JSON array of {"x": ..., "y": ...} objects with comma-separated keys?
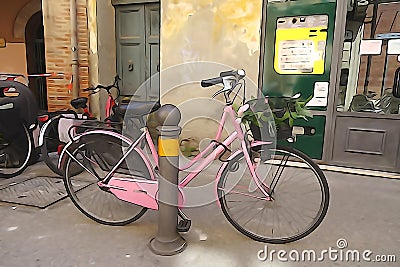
[{"x": 167, "y": 248}]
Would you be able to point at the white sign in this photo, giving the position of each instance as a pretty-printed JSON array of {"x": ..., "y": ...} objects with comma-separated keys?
[
  {"x": 394, "y": 47},
  {"x": 320, "y": 98},
  {"x": 296, "y": 55},
  {"x": 371, "y": 47}
]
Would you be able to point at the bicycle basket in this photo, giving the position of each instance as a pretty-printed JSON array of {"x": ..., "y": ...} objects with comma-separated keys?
[
  {"x": 260, "y": 120},
  {"x": 66, "y": 122}
]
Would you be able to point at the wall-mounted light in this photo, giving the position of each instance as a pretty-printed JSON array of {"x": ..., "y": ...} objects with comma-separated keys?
[{"x": 2, "y": 42}]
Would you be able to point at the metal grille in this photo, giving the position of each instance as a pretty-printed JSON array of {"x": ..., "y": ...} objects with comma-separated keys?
[{"x": 38, "y": 192}]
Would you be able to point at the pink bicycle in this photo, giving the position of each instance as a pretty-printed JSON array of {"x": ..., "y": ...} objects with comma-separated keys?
[{"x": 270, "y": 194}]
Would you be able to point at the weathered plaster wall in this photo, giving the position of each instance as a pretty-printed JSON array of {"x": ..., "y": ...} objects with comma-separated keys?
[
  {"x": 221, "y": 31},
  {"x": 14, "y": 54},
  {"x": 106, "y": 50},
  {"x": 9, "y": 15},
  {"x": 13, "y": 18}
]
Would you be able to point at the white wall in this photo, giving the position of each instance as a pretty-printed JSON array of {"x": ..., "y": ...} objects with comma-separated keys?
[{"x": 198, "y": 40}]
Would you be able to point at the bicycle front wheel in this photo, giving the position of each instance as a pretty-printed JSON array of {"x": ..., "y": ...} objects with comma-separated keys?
[
  {"x": 299, "y": 196},
  {"x": 97, "y": 154}
]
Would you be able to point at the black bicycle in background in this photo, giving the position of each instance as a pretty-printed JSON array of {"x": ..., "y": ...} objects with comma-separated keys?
[{"x": 18, "y": 119}]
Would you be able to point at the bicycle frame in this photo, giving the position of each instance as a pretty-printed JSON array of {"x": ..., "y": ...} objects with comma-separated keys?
[
  {"x": 109, "y": 105},
  {"x": 144, "y": 192},
  {"x": 46, "y": 120}
]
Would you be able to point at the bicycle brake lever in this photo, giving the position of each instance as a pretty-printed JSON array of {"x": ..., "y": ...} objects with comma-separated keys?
[
  {"x": 94, "y": 91},
  {"x": 220, "y": 91}
]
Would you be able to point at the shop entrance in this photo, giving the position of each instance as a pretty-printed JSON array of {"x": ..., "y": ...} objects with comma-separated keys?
[{"x": 366, "y": 120}]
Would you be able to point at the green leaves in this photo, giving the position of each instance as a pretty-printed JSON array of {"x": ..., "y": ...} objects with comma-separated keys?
[
  {"x": 302, "y": 112},
  {"x": 287, "y": 110},
  {"x": 256, "y": 118}
]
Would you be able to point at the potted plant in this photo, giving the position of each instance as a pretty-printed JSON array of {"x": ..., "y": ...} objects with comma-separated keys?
[{"x": 284, "y": 111}]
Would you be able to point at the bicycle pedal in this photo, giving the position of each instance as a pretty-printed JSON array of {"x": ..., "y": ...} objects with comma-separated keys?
[
  {"x": 184, "y": 226},
  {"x": 255, "y": 156}
]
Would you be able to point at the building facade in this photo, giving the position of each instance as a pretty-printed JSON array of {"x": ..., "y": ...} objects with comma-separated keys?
[{"x": 350, "y": 54}]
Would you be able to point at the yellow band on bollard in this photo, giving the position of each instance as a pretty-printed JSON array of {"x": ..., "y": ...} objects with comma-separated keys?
[{"x": 168, "y": 147}]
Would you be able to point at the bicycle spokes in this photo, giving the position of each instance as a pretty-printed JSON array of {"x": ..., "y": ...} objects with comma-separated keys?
[
  {"x": 299, "y": 197},
  {"x": 278, "y": 173}
]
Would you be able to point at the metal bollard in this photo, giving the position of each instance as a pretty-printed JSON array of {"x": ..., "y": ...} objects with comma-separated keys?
[{"x": 168, "y": 241}]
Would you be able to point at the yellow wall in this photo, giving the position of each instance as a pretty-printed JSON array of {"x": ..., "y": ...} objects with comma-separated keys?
[
  {"x": 216, "y": 31},
  {"x": 13, "y": 58}
]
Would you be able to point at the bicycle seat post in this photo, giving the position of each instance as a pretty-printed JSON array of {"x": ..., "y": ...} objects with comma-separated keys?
[{"x": 168, "y": 241}]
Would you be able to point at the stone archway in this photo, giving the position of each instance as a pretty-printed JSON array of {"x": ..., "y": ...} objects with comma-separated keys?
[
  {"x": 31, "y": 8},
  {"x": 28, "y": 26}
]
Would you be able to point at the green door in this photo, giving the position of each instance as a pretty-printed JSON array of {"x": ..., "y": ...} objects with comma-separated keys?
[
  {"x": 137, "y": 33},
  {"x": 152, "y": 15}
]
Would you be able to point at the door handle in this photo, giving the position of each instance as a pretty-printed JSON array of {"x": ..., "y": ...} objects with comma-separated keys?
[{"x": 130, "y": 65}]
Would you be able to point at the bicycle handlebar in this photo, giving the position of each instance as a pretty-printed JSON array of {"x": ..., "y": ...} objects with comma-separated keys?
[
  {"x": 99, "y": 86},
  {"x": 211, "y": 82},
  {"x": 231, "y": 74},
  {"x": 12, "y": 75},
  {"x": 230, "y": 79},
  {"x": 107, "y": 88}
]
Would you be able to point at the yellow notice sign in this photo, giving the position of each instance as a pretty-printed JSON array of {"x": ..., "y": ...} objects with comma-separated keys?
[
  {"x": 300, "y": 44},
  {"x": 168, "y": 147}
]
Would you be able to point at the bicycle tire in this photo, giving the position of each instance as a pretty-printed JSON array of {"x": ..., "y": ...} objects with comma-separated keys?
[
  {"x": 7, "y": 170},
  {"x": 49, "y": 149},
  {"x": 266, "y": 229},
  {"x": 99, "y": 153},
  {"x": 52, "y": 147}
]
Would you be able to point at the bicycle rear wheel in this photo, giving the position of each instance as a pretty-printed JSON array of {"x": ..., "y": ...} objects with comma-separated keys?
[
  {"x": 14, "y": 157},
  {"x": 99, "y": 153},
  {"x": 299, "y": 196},
  {"x": 52, "y": 147}
]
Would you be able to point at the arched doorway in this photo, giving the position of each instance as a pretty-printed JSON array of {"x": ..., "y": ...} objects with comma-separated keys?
[{"x": 35, "y": 57}]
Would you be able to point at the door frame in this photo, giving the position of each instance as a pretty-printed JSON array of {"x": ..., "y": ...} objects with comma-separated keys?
[
  {"x": 331, "y": 114},
  {"x": 121, "y": 4}
]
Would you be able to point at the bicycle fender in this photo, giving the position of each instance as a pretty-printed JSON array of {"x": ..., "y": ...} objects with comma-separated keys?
[
  {"x": 75, "y": 141},
  {"x": 43, "y": 130},
  {"x": 63, "y": 155}
]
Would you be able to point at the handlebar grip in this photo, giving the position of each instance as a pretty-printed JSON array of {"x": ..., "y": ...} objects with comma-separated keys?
[
  {"x": 211, "y": 82},
  {"x": 228, "y": 73},
  {"x": 89, "y": 89}
]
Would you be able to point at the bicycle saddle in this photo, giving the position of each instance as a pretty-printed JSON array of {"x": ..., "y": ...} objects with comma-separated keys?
[
  {"x": 137, "y": 108},
  {"x": 79, "y": 102}
]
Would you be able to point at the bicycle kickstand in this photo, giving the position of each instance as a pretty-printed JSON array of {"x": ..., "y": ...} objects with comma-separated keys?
[{"x": 184, "y": 224}]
